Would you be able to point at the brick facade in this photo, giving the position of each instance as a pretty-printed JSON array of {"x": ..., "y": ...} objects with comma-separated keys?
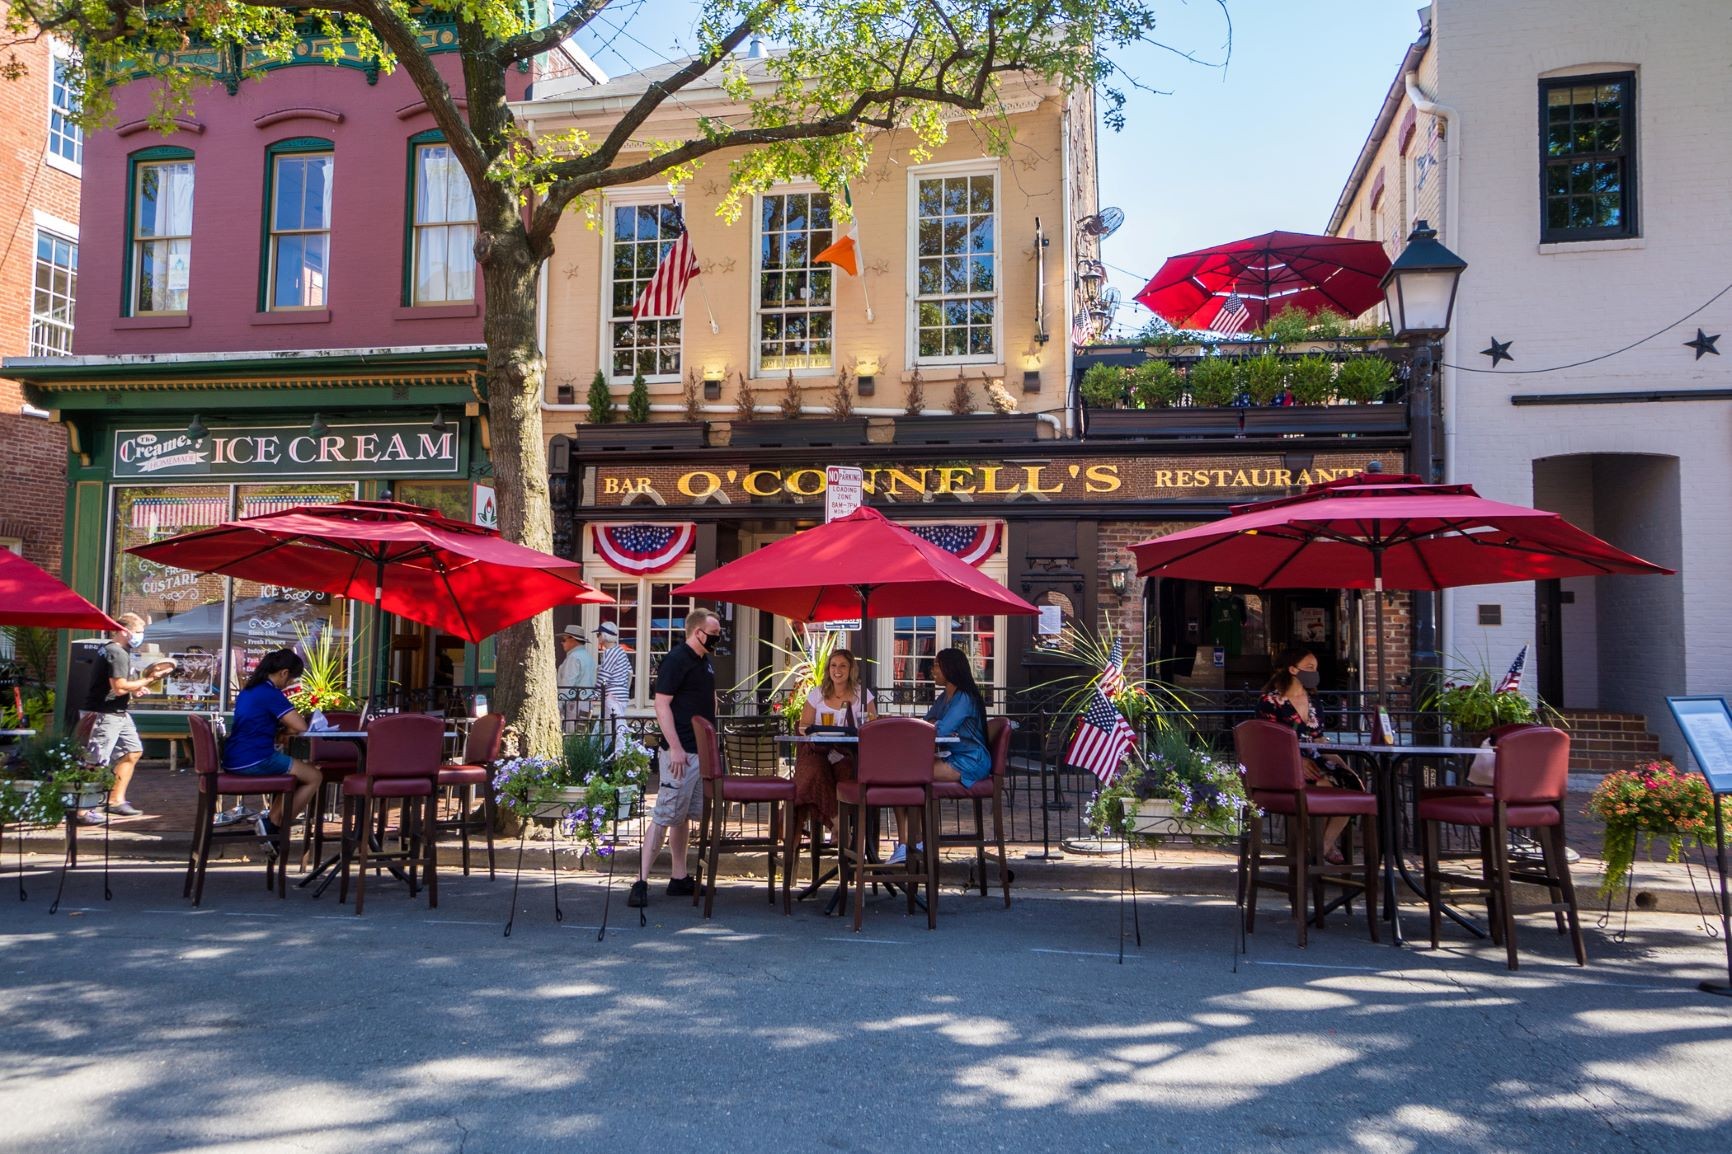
[{"x": 33, "y": 464}]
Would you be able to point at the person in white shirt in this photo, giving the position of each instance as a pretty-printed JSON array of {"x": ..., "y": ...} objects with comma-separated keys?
[
  {"x": 841, "y": 701},
  {"x": 576, "y": 676},
  {"x": 613, "y": 674}
]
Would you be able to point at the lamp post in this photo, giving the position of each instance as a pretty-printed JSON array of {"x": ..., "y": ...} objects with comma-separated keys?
[{"x": 1419, "y": 290}]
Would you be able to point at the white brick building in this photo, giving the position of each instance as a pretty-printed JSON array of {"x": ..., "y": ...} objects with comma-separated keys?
[{"x": 1573, "y": 152}]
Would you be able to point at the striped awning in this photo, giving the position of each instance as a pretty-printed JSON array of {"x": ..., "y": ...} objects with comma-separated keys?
[
  {"x": 260, "y": 506},
  {"x": 158, "y": 513}
]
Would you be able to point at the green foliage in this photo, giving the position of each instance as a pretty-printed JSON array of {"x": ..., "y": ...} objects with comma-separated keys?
[
  {"x": 1156, "y": 385},
  {"x": 1286, "y": 327},
  {"x": 1213, "y": 382},
  {"x": 795, "y": 670},
  {"x": 325, "y": 683},
  {"x": 1103, "y": 387},
  {"x": 33, "y": 653},
  {"x": 1469, "y": 699},
  {"x": 1265, "y": 378},
  {"x": 1207, "y": 791},
  {"x": 60, "y": 769},
  {"x": 1312, "y": 379},
  {"x": 1363, "y": 380},
  {"x": 637, "y": 404},
  {"x": 1658, "y": 801},
  {"x": 601, "y": 410}
]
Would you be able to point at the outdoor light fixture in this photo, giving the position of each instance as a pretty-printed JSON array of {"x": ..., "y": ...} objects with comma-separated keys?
[
  {"x": 440, "y": 425},
  {"x": 866, "y": 376},
  {"x": 713, "y": 382},
  {"x": 319, "y": 428},
  {"x": 1119, "y": 579},
  {"x": 1092, "y": 274},
  {"x": 197, "y": 431},
  {"x": 1031, "y": 373},
  {"x": 1419, "y": 287}
]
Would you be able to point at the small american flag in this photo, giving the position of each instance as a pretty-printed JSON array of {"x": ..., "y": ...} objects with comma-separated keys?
[
  {"x": 1233, "y": 316},
  {"x": 1113, "y": 674},
  {"x": 1102, "y": 738},
  {"x": 1512, "y": 681},
  {"x": 666, "y": 291}
]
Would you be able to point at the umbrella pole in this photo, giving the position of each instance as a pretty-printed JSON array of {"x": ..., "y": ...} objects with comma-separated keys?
[
  {"x": 381, "y": 648},
  {"x": 1382, "y": 654}
]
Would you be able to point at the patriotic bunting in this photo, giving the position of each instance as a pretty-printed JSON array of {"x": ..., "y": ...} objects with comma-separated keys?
[
  {"x": 644, "y": 548},
  {"x": 970, "y": 543}
]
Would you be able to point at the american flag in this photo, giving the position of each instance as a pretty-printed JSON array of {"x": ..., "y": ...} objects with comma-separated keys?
[
  {"x": 1512, "y": 681},
  {"x": 1102, "y": 738},
  {"x": 1233, "y": 316},
  {"x": 666, "y": 290},
  {"x": 1113, "y": 674}
]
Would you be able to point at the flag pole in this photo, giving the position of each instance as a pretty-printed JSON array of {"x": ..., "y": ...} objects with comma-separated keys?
[{"x": 714, "y": 327}]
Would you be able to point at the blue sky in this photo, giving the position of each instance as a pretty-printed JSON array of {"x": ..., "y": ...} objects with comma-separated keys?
[{"x": 1215, "y": 153}]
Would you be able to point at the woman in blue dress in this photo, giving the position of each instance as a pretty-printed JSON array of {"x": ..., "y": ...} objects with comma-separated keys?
[{"x": 959, "y": 711}]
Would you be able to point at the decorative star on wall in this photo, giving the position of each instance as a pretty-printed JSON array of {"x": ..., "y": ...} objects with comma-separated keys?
[
  {"x": 571, "y": 271},
  {"x": 1703, "y": 344},
  {"x": 719, "y": 267},
  {"x": 1498, "y": 352},
  {"x": 882, "y": 175},
  {"x": 878, "y": 267},
  {"x": 711, "y": 188}
]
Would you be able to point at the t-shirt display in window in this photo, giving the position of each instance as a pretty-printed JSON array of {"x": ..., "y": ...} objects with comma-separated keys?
[{"x": 1227, "y": 622}]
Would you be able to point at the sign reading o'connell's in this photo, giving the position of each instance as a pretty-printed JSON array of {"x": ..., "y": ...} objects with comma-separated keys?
[
  {"x": 348, "y": 449},
  {"x": 1094, "y": 479}
]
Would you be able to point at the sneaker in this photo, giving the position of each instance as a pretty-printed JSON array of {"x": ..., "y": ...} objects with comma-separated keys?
[
  {"x": 681, "y": 887},
  {"x": 236, "y": 815},
  {"x": 92, "y": 817},
  {"x": 125, "y": 809},
  {"x": 899, "y": 856},
  {"x": 639, "y": 896},
  {"x": 266, "y": 828}
]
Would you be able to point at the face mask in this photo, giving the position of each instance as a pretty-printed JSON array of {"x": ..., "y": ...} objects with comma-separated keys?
[
  {"x": 1308, "y": 678},
  {"x": 136, "y": 640}
]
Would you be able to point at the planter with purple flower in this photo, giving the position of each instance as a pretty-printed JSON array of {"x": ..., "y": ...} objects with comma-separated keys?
[{"x": 1172, "y": 787}]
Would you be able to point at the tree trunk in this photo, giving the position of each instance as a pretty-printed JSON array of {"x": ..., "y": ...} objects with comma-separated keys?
[{"x": 516, "y": 370}]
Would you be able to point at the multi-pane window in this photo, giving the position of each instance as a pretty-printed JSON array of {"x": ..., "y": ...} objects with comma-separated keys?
[
  {"x": 640, "y": 234},
  {"x": 162, "y": 237},
  {"x": 651, "y": 621},
  {"x": 300, "y": 230},
  {"x": 65, "y": 137},
  {"x": 444, "y": 244},
  {"x": 55, "y": 292},
  {"x": 796, "y": 311},
  {"x": 1588, "y": 158},
  {"x": 956, "y": 268},
  {"x": 915, "y": 641}
]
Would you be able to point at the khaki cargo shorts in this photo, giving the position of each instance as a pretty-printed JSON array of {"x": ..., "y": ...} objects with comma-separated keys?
[{"x": 676, "y": 802}]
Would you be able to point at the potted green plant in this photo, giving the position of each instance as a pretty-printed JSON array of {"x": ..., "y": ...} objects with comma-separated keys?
[
  {"x": 1473, "y": 706},
  {"x": 1185, "y": 790},
  {"x": 56, "y": 777},
  {"x": 1213, "y": 383},
  {"x": 1312, "y": 380},
  {"x": 1658, "y": 801},
  {"x": 1363, "y": 380},
  {"x": 601, "y": 782},
  {"x": 324, "y": 683},
  {"x": 1265, "y": 378},
  {"x": 1156, "y": 385}
]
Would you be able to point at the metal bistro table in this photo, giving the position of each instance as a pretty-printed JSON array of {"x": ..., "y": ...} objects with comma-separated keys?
[
  {"x": 838, "y": 901},
  {"x": 1386, "y": 763}
]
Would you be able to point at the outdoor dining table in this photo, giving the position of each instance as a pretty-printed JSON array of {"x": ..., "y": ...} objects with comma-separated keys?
[
  {"x": 1386, "y": 763},
  {"x": 16, "y": 733}
]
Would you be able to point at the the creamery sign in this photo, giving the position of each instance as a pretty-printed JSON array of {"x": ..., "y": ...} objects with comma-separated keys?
[
  {"x": 342, "y": 448},
  {"x": 1112, "y": 479}
]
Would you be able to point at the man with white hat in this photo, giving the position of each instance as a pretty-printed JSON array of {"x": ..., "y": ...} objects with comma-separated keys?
[
  {"x": 576, "y": 674},
  {"x": 613, "y": 672}
]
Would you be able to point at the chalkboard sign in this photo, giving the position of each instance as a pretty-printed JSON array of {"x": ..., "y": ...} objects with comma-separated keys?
[{"x": 1707, "y": 725}]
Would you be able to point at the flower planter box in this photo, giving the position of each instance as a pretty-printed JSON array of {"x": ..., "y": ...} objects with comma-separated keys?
[
  {"x": 1155, "y": 817},
  {"x": 1307, "y": 420},
  {"x": 798, "y": 434},
  {"x": 85, "y": 797},
  {"x": 650, "y": 437},
  {"x": 572, "y": 796},
  {"x": 971, "y": 429}
]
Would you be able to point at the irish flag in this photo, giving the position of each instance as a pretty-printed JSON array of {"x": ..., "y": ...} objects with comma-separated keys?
[{"x": 845, "y": 253}]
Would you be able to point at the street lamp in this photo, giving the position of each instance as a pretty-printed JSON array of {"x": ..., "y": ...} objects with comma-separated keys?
[{"x": 1419, "y": 289}]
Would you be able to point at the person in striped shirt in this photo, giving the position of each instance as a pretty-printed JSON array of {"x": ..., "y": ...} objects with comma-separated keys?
[{"x": 612, "y": 673}]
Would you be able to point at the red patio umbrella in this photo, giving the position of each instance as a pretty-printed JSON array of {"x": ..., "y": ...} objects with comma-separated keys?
[
  {"x": 862, "y": 565},
  {"x": 405, "y": 559},
  {"x": 1383, "y": 531},
  {"x": 1267, "y": 273},
  {"x": 33, "y": 597}
]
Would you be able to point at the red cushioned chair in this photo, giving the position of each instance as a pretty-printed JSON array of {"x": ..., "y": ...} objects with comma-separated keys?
[
  {"x": 990, "y": 788},
  {"x": 404, "y": 752},
  {"x": 1467, "y": 788},
  {"x": 893, "y": 769},
  {"x": 1275, "y": 780},
  {"x": 335, "y": 759},
  {"x": 720, "y": 788},
  {"x": 1533, "y": 779},
  {"x": 475, "y": 771},
  {"x": 212, "y": 784}
]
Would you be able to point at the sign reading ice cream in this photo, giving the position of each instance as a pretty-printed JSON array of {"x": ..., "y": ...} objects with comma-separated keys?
[{"x": 342, "y": 449}]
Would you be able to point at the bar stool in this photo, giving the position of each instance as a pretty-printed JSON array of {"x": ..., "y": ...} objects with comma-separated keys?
[
  {"x": 475, "y": 771},
  {"x": 989, "y": 788},
  {"x": 893, "y": 769},
  {"x": 212, "y": 784},
  {"x": 721, "y": 787},
  {"x": 403, "y": 755},
  {"x": 1275, "y": 780},
  {"x": 1528, "y": 792}
]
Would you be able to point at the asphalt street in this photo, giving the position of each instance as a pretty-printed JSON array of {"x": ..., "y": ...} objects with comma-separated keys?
[{"x": 258, "y": 1025}]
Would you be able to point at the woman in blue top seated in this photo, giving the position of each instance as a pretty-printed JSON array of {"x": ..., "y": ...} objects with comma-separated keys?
[
  {"x": 251, "y": 750},
  {"x": 959, "y": 711}
]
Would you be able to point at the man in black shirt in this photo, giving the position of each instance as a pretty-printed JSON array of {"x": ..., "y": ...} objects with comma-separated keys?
[
  {"x": 113, "y": 737},
  {"x": 685, "y": 688}
]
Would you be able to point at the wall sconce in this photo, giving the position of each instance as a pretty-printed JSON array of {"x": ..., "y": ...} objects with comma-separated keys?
[
  {"x": 713, "y": 382},
  {"x": 1092, "y": 274},
  {"x": 1119, "y": 579},
  {"x": 866, "y": 376},
  {"x": 440, "y": 424},
  {"x": 1030, "y": 373},
  {"x": 196, "y": 431},
  {"x": 319, "y": 427}
]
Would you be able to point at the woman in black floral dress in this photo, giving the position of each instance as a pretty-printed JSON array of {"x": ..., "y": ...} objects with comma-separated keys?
[{"x": 1287, "y": 700}]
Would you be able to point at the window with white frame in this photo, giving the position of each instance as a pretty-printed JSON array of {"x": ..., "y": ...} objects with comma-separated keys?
[
  {"x": 796, "y": 307},
  {"x": 54, "y": 293},
  {"x": 65, "y": 137},
  {"x": 651, "y": 621},
  {"x": 300, "y": 253},
  {"x": 955, "y": 239},
  {"x": 162, "y": 237},
  {"x": 639, "y": 235},
  {"x": 444, "y": 242}
]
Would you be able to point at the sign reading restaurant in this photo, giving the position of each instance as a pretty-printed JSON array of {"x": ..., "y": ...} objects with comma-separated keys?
[
  {"x": 346, "y": 449},
  {"x": 1108, "y": 479}
]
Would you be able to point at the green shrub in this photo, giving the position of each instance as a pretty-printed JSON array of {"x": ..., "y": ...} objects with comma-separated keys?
[
  {"x": 1103, "y": 387},
  {"x": 1156, "y": 385},
  {"x": 1363, "y": 380},
  {"x": 1286, "y": 326},
  {"x": 1312, "y": 379},
  {"x": 600, "y": 401},
  {"x": 1265, "y": 378},
  {"x": 637, "y": 403},
  {"x": 1213, "y": 382}
]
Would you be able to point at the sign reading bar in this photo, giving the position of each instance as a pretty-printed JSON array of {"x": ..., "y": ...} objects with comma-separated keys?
[{"x": 346, "y": 449}]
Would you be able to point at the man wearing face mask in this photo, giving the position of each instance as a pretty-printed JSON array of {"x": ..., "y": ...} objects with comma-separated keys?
[
  {"x": 113, "y": 737},
  {"x": 685, "y": 688},
  {"x": 1287, "y": 701}
]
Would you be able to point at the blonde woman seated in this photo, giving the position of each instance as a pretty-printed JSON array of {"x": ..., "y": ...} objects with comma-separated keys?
[{"x": 840, "y": 702}]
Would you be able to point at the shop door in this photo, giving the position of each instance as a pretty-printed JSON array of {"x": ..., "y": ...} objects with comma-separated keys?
[{"x": 1548, "y": 639}]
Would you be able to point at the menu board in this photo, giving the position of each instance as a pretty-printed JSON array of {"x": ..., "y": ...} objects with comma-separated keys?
[
  {"x": 1707, "y": 726},
  {"x": 195, "y": 674}
]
